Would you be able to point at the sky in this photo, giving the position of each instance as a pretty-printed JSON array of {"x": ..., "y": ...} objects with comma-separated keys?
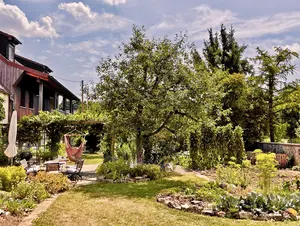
[{"x": 71, "y": 37}]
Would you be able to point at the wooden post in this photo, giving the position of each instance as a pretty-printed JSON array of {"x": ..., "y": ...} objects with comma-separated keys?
[
  {"x": 64, "y": 104},
  {"x": 71, "y": 106},
  {"x": 55, "y": 100},
  {"x": 41, "y": 96},
  {"x": 82, "y": 103}
]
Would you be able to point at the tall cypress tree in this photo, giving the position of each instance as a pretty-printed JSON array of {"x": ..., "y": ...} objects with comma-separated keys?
[{"x": 222, "y": 51}]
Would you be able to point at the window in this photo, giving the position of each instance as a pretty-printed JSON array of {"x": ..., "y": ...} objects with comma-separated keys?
[
  {"x": 23, "y": 98},
  {"x": 31, "y": 99},
  {"x": 11, "y": 52}
]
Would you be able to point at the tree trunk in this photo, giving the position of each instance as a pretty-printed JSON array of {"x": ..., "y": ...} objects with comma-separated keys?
[
  {"x": 139, "y": 147},
  {"x": 148, "y": 157},
  {"x": 271, "y": 113},
  {"x": 194, "y": 146}
]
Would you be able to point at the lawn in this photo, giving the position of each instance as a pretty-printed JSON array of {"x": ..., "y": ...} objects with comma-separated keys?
[
  {"x": 92, "y": 158},
  {"x": 128, "y": 204}
]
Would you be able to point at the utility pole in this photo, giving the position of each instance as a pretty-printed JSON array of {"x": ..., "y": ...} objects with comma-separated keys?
[{"x": 82, "y": 103}]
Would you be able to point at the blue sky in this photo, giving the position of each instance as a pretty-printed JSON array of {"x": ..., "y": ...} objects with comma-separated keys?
[{"x": 71, "y": 37}]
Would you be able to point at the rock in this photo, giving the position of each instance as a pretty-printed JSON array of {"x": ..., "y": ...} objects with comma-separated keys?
[
  {"x": 196, "y": 209},
  {"x": 262, "y": 217},
  {"x": 160, "y": 199},
  {"x": 174, "y": 205},
  {"x": 108, "y": 180},
  {"x": 223, "y": 185},
  {"x": 245, "y": 215},
  {"x": 7, "y": 213},
  {"x": 143, "y": 180},
  {"x": 185, "y": 206},
  {"x": 196, "y": 202},
  {"x": 292, "y": 211},
  {"x": 208, "y": 212},
  {"x": 290, "y": 214},
  {"x": 275, "y": 216},
  {"x": 298, "y": 218},
  {"x": 221, "y": 214}
]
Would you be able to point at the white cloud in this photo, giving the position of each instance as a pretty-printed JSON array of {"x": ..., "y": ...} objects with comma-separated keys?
[
  {"x": 95, "y": 47},
  {"x": 78, "y": 10},
  {"x": 14, "y": 21},
  {"x": 87, "y": 21},
  {"x": 276, "y": 24},
  {"x": 37, "y": 1},
  {"x": 294, "y": 47},
  {"x": 85, "y": 46},
  {"x": 115, "y": 2},
  {"x": 199, "y": 19}
]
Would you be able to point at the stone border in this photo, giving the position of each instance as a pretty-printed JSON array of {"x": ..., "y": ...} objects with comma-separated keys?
[
  {"x": 41, "y": 208},
  {"x": 190, "y": 204},
  {"x": 125, "y": 180}
]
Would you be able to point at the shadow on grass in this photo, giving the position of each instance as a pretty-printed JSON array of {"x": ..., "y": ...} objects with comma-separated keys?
[{"x": 130, "y": 190}]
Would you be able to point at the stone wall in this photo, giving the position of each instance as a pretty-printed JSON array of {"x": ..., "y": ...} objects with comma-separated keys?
[{"x": 290, "y": 149}]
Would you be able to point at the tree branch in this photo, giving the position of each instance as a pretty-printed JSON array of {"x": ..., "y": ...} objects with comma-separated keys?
[{"x": 161, "y": 126}]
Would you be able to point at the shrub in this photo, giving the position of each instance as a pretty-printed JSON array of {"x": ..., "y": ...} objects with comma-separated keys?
[
  {"x": 183, "y": 159},
  {"x": 296, "y": 168},
  {"x": 228, "y": 204},
  {"x": 152, "y": 171},
  {"x": 30, "y": 190},
  {"x": 11, "y": 176},
  {"x": 14, "y": 207},
  {"x": 237, "y": 174},
  {"x": 114, "y": 170},
  {"x": 266, "y": 165},
  {"x": 54, "y": 183},
  {"x": 210, "y": 192},
  {"x": 17, "y": 207}
]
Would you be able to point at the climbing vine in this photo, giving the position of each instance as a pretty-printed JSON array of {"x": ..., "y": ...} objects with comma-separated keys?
[{"x": 55, "y": 125}]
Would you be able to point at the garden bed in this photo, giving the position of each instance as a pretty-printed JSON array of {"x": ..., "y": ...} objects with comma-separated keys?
[{"x": 191, "y": 204}]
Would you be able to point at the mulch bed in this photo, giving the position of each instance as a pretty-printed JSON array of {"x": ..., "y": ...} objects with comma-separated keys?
[{"x": 9, "y": 221}]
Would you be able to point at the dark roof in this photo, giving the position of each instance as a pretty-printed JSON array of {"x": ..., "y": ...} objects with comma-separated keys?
[
  {"x": 63, "y": 89},
  {"x": 32, "y": 64},
  {"x": 11, "y": 38}
]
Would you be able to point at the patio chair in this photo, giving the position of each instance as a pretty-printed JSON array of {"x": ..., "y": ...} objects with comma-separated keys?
[
  {"x": 73, "y": 172},
  {"x": 29, "y": 169}
]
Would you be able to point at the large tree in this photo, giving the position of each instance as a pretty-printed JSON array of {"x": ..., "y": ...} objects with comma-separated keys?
[
  {"x": 274, "y": 69},
  {"x": 149, "y": 83},
  {"x": 222, "y": 51}
]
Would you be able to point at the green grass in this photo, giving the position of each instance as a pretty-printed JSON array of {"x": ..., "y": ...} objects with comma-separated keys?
[
  {"x": 129, "y": 204},
  {"x": 92, "y": 158}
]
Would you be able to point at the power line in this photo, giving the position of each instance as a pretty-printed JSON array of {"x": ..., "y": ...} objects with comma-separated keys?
[{"x": 67, "y": 80}]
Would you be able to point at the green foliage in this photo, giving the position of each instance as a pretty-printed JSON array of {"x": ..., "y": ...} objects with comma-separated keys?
[
  {"x": 152, "y": 171},
  {"x": 215, "y": 145},
  {"x": 55, "y": 124},
  {"x": 296, "y": 168},
  {"x": 11, "y": 176},
  {"x": 30, "y": 190},
  {"x": 54, "y": 183},
  {"x": 2, "y": 110},
  {"x": 209, "y": 192},
  {"x": 15, "y": 207},
  {"x": 236, "y": 174},
  {"x": 150, "y": 84},
  {"x": 183, "y": 159},
  {"x": 228, "y": 204},
  {"x": 114, "y": 170},
  {"x": 281, "y": 131},
  {"x": 274, "y": 69},
  {"x": 222, "y": 51},
  {"x": 266, "y": 165}
]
